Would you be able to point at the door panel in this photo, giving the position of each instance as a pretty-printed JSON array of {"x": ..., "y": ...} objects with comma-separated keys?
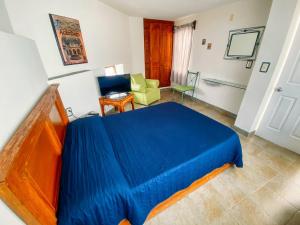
[
  {"x": 281, "y": 112},
  {"x": 296, "y": 130},
  {"x": 295, "y": 77},
  {"x": 166, "y": 54},
  {"x": 158, "y": 42},
  {"x": 147, "y": 48},
  {"x": 154, "y": 50}
]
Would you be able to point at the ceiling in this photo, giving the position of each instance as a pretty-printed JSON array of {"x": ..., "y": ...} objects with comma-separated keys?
[{"x": 163, "y": 9}]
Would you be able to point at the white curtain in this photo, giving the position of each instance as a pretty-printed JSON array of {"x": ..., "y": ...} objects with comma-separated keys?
[{"x": 182, "y": 46}]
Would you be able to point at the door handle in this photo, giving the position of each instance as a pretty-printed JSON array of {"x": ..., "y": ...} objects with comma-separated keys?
[{"x": 279, "y": 89}]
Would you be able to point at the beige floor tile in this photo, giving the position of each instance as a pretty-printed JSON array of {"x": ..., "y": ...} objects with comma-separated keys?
[
  {"x": 231, "y": 193},
  {"x": 247, "y": 179},
  {"x": 249, "y": 213},
  {"x": 293, "y": 172},
  {"x": 251, "y": 148},
  {"x": 286, "y": 188},
  {"x": 185, "y": 213},
  {"x": 209, "y": 203},
  {"x": 168, "y": 217},
  {"x": 197, "y": 209},
  {"x": 259, "y": 166},
  {"x": 279, "y": 209},
  {"x": 277, "y": 162},
  {"x": 282, "y": 152},
  {"x": 225, "y": 219},
  {"x": 295, "y": 220}
]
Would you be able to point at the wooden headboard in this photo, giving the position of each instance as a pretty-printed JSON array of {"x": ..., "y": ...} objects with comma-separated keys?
[{"x": 30, "y": 163}]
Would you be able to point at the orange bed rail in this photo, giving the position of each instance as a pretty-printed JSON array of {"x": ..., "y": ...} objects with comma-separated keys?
[{"x": 182, "y": 193}]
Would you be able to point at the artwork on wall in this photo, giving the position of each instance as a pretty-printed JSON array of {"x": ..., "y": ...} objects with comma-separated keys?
[
  {"x": 203, "y": 41},
  {"x": 69, "y": 39},
  {"x": 209, "y": 46},
  {"x": 264, "y": 67}
]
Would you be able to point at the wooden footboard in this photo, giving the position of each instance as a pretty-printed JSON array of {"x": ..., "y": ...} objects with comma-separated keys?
[{"x": 181, "y": 194}]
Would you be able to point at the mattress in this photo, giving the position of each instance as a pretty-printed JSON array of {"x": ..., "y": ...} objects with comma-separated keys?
[{"x": 123, "y": 165}]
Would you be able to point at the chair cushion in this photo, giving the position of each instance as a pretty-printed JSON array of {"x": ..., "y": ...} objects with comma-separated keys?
[
  {"x": 151, "y": 95},
  {"x": 183, "y": 88},
  {"x": 138, "y": 83}
]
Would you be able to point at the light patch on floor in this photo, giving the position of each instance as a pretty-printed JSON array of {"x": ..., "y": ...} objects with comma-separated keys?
[{"x": 266, "y": 191}]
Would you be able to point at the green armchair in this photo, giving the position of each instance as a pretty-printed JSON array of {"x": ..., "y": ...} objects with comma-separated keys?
[{"x": 145, "y": 91}]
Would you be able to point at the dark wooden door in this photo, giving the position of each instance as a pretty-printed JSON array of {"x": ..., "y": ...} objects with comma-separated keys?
[{"x": 158, "y": 41}]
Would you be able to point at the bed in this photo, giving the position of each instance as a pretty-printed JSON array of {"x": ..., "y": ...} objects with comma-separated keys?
[{"x": 120, "y": 169}]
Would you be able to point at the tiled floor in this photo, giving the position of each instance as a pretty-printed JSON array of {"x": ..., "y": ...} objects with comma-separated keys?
[{"x": 265, "y": 191}]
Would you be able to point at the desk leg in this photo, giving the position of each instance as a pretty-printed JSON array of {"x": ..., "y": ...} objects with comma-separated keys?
[
  {"x": 102, "y": 109},
  {"x": 132, "y": 104}
]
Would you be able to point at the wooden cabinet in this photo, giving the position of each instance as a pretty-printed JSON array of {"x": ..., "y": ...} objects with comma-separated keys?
[{"x": 158, "y": 43}]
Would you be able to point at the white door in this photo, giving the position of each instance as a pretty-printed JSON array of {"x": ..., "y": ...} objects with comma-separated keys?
[{"x": 281, "y": 122}]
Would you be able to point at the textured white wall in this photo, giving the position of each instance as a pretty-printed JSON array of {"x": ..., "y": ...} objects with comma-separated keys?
[
  {"x": 22, "y": 82},
  {"x": 258, "y": 91},
  {"x": 107, "y": 37},
  {"x": 5, "y": 24},
  {"x": 80, "y": 92},
  {"x": 105, "y": 32},
  {"x": 136, "y": 26},
  {"x": 214, "y": 26}
]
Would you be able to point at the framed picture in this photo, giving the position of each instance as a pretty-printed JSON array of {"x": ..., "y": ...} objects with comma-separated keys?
[
  {"x": 249, "y": 64},
  {"x": 264, "y": 67},
  {"x": 69, "y": 39},
  {"x": 203, "y": 41},
  {"x": 209, "y": 45}
]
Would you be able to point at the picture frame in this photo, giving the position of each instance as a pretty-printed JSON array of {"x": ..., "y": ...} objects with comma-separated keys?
[
  {"x": 243, "y": 43},
  {"x": 203, "y": 41},
  {"x": 249, "y": 64},
  {"x": 69, "y": 39},
  {"x": 264, "y": 67},
  {"x": 209, "y": 45}
]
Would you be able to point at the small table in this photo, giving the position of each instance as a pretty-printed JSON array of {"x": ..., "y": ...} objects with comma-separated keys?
[{"x": 118, "y": 103}]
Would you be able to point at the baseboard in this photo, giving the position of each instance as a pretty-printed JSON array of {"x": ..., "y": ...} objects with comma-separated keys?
[
  {"x": 162, "y": 88},
  {"x": 243, "y": 132}
]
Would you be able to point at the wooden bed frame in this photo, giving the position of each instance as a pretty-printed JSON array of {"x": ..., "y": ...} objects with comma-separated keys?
[{"x": 30, "y": 164}]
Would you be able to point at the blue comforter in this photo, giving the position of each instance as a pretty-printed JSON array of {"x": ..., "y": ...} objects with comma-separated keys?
[{"x": 121, "y": 166}]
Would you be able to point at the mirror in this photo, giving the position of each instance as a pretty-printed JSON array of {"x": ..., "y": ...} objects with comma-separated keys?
[{"x": 243, "y": 43}]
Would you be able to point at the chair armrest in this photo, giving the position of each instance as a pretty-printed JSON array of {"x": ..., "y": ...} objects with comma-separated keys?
[{"x": 152, "y": 83}]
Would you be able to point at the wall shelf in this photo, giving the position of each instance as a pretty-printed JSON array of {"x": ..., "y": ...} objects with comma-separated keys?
[{"x": 217, "y": 82}]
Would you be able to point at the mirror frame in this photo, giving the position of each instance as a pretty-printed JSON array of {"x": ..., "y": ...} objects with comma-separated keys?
[{"x": 259, "y": 30}]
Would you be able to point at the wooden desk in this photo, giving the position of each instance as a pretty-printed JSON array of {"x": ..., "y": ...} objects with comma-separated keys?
[{"x": 119, "y": 104}]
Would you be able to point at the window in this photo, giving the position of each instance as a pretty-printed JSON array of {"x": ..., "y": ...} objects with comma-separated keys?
[{"x": 114, "y": 69}]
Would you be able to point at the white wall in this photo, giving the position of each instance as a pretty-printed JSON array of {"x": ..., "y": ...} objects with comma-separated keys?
[
  {"x": 5, "y": 24},
  {"x": 80, "y": 91},
  {"x": 260, "y": 85},
  {"x": 22, "y": 82},
  {"x": 105, "y": 32},
  {"x": 136, "y": 26},
  {"x": 214, "y": 25}
]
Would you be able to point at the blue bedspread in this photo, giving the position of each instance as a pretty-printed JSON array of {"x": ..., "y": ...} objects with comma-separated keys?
[{"x": 121, "y": 166}]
